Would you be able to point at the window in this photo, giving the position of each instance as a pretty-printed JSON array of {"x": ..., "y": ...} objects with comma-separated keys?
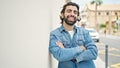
[
  {"x": 99, "y": 13},
  {"x": 107, "y": 13},
  {"x": 116, "y": 13}
]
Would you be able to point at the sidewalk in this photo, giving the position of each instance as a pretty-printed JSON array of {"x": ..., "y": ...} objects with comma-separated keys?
[
  {"x": 99, "y": 63},
  {"x": 111, "y": 36}
]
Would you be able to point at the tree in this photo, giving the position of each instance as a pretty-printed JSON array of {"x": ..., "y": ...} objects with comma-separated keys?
[{"x": 97, "y": 3}]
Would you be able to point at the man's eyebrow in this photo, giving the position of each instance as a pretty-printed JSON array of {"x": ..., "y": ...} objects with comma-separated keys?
[{"x": 72, "y": 10}]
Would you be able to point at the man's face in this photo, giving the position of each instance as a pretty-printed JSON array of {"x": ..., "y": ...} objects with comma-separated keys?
[{"x": 70, "y": 15}]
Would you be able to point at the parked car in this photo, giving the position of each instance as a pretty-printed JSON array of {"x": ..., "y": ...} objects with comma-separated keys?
[{"x": 94, "y": 34}]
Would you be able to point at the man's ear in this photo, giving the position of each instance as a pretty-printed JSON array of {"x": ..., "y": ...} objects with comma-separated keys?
[
  {"x": 78, "y": 18},
  {"x": 61, "y": 16}
]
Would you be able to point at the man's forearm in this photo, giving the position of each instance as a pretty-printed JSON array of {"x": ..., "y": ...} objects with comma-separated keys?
[{"x": 89, "y": 54}]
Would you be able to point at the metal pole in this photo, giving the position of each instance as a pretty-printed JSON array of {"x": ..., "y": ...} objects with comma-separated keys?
[{"x": 106, "y": 56}]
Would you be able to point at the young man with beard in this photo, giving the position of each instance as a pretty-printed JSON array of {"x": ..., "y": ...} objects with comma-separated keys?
[{"x": 72, "y": 46}]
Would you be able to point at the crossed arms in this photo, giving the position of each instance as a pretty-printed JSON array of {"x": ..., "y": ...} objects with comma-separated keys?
[{"x": 80, "y": 53}]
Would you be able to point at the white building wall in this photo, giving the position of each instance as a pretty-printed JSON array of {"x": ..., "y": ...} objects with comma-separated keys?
[
  {"x": 56, "y": 8},
  {"x": 24, "y": 32}
]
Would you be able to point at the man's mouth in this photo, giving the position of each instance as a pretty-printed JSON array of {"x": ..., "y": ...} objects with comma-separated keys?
[{"x": 71, "y": 18}]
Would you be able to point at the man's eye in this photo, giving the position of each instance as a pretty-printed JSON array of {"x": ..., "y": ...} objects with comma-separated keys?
[
  {"x": 69, "y": 11},
  {"x": 75, "y": 12}
]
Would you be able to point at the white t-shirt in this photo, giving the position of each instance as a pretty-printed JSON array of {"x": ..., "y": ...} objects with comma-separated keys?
[{"x": 71, "y": 33}]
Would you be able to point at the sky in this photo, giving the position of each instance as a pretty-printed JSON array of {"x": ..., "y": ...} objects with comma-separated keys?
[{"x": 83, "y": 2}]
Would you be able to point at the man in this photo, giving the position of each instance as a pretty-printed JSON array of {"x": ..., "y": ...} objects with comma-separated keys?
[{"x": 72, "y": 46}]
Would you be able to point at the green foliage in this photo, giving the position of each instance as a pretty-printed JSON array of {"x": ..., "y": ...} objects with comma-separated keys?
[
  {"x": 115, "y": 27},
  {"x": 98, "y": 2},
  {"x": 102, "y": 25}
]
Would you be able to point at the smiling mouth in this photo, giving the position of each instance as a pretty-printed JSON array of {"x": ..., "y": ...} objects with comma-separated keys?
[{"x": 71, "y": 19}]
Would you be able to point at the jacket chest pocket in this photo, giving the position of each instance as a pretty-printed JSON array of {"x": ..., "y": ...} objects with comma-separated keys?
[
  {"x": 66, "y": 44},
  {"x": 80, "y": 40}
]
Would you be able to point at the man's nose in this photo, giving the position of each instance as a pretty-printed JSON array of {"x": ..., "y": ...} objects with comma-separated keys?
[{"x": 72, "y": 13}]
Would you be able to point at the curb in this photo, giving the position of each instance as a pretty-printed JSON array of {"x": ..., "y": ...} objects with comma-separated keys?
[{"x": 99, "y": 63}]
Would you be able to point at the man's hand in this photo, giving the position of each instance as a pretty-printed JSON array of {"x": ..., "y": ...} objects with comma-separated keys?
[
  {"x": 82, "y": 47},
  {"x": 60, "y": 44}
]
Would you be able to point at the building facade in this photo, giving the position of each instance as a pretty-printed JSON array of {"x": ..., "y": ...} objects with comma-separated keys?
[{"x": 105, "y": 13}]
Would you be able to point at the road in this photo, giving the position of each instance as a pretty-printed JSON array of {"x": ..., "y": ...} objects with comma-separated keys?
[{"x": 113, "y": 50}]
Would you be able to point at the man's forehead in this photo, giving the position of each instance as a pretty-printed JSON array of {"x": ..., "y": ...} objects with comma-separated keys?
[{"x": 71, "y": 7}]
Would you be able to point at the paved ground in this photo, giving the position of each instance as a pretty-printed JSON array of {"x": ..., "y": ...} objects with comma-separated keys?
[{"x": 99, "y": 63}]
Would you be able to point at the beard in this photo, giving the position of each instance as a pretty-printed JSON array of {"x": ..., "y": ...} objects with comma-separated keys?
[{"x": 71, "y": 23}]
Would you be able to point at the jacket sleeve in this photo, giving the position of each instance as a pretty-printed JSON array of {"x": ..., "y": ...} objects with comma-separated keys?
[
  {"x": 62, "y": 54},
  {"x": 91, "y": 51}
]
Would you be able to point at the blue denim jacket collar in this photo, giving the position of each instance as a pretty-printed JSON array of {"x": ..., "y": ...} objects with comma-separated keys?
[{"x": 63, "y": 29}]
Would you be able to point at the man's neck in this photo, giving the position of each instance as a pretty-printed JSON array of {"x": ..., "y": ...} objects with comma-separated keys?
[{"x": 68, "y": 27}]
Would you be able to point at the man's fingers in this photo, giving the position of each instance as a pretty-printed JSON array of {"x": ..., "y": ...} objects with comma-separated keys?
[
  {"x": 82, "y": 47},
  {"x": 59, "y": 44}
]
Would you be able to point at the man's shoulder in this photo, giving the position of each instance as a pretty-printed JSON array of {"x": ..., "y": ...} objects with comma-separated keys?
[
  {"x": 55, "y": 31},
  {"x": 82, "y": 29}
]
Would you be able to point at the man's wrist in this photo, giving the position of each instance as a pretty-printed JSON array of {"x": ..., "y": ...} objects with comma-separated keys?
[
  {"x": 82, "y": 48},
  {"x": 74, "y": 60}
]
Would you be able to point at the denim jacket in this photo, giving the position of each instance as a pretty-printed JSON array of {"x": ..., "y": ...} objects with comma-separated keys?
[{"x": 72, "y": 56}]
